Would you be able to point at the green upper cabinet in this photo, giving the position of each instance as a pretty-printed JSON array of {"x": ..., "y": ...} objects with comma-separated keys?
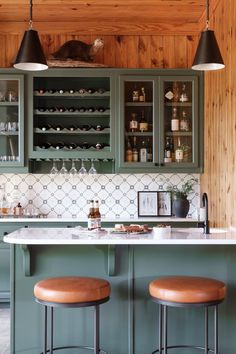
[
  {"x": 11, "y": 122},
  {"x": 72, "y": 114},
  {"x": 160, "y": 122}
]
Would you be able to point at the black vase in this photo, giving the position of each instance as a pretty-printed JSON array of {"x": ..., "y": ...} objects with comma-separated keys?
[{"x": 180, "y": 207}]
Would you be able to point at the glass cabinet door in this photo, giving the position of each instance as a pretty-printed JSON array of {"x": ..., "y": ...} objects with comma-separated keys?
[
  {"x": 179, "y": 122},
  {"x": 11, "y": 121},
  {"x": 137, "y": 122}
]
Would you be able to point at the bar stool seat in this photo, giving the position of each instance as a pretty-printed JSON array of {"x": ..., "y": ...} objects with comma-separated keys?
[
  {"x": 186, "y": 291},
  {"x": 71, "y": 291}
]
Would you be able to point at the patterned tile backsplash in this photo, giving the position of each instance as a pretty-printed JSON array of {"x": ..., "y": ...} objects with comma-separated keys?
[{"x": 68, "y": 197}]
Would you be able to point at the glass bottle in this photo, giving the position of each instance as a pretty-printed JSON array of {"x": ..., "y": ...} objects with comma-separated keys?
[
  {"x": 149, "y": 151},
  {"x": 143, "y": 152},
  {"x": 135, "y": 151},
  {"x": 175, "y": 92},
  {"x": 91, "y": 216},
  {"x": 142, "y": 96},
  {"x": 97, "y": 215},
  {"x": 135, "y": 95},
  {"x": 183, "y": 95},
  {"x": 168, "y": 152},
  {"x": 128, "y": 152},
  {"x": 143, "y": 124},
  {"x": 133, "y": 124},
  {"x": 174, "y": 120},
  {"x": 184, "y": 122},
  {"x": 4, "y": 204},
  {"x": 179, "y": 153}
]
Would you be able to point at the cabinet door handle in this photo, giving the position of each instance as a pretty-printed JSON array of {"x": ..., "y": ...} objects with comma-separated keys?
[
  {"x": 162, "y": 164},
  {"x": 5, "y": 233}
]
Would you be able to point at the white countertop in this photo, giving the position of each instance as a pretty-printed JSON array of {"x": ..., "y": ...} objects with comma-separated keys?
[
  {"x": 77, "y": 236},
  {"x": 118, "y": 220}
]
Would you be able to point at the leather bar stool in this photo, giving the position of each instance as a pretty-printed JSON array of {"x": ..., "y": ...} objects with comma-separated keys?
[
  {"x": 71, "y": 291},
  {"x": 186, "y": 291}
]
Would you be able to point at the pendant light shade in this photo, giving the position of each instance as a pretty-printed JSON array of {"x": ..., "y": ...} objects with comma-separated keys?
[
  {"x": 30, "y": 55},
  {"x": 208, "y": 56}
]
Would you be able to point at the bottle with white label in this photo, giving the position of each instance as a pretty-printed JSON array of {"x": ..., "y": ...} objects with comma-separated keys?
[
  {"x": 184, "y": 122},
  {"x": 133, "y": 124},
  {"x": 143, "y": 152},
  {"x": 174, "y": 120},
  {"x": 91, "y": 216},
  {"x": 179, "y": 152}
]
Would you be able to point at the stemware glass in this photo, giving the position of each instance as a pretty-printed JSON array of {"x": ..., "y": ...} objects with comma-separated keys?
[
  {"x": 92, "y": 170},
  {"x": 54, "y": 169},
  {"x": 73, "y": 171},
  {"x": 63, "y": 170},
  {"x": 82, "y": 170}
]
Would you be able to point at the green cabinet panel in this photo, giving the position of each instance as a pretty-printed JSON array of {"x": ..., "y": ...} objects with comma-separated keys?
[{"x": 160, "y": 121}]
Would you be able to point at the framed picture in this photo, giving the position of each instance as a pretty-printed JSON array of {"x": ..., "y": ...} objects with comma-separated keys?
[
  {"x": 147, "y": 204},
  {"x": 164, "y": 204}
]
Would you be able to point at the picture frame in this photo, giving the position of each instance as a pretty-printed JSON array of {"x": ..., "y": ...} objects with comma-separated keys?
[
  {"x": 164, "y": 203},
  {"x": 147, "y": 203},
  {"x": 152, "y": 203}
]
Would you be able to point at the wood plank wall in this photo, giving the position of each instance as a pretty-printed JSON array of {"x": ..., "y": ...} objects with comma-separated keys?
[
  {"x": 123, "y": 51},
  {"x": 219, "y": 178}
]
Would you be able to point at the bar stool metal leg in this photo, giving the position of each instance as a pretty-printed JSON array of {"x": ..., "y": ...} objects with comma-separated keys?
[
  {"x": 216, "y": 328},
  {"x": 160, "y": 329},
  {"x": 51, "y": 332},
  {"x": 165, "y": 329},
  {"x": 45, "y": 330},
  {"x": 206, "y": 330},
  {"x": 96, "y": 330}
]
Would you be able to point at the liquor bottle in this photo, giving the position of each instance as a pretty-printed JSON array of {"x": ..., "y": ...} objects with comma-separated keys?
[
  {"x": 97, "y": 215},
  {"x": 99, "y": 146},
  {"x": 175, "y": 92},
  {"x": 128, "y": 152},
  {"x": 168, "y": 152},
  {"x": 71, "y": 91},
  {"x": 61, "y": 91},
  {"x": 72, "y": 128},
  {"x": 174, "y": 120},
  {"x": 45, "y": 127},
  {"x": 85, "y": 127},
  {"x": 133, "y": 124},
  {"x": 45, "y": 146},
  {"x": 101, "y": 109},
  {"x": 143, "y": 124},
  {"x": 18, "y": 210},
  {"x": 61, "y": 109},
  {"x": 135, "y": 95},
  {"x": 179, "y": 153},
  {"x": 59, "y": 145},
  {"x": 183, "y": 95},
  {"x": 4, "y": 204},
  {"x": 82, "y": 91},
  {"x": 91, "y": 216},
  {"x": 51, "y": 91},
  {"x": 81, "y": 109},
  {"x": 41, "y": 91},
  {"x": 143, "y": 152},
  {"x": 142, "y": 96},
  {"x": 98, "y": 128},
  {"x": 101, "y": 91},
  {"x": 135, "y": 151},
  {"x": 72, "y": 146},
  {"x": 91, "y": 109},
  {"x": 71, "y": 109},
  {"x": 149, "y": 150},
  {"x": 58, "y": 127},
  {"x": 184, "y": 124},
  {"x": 52, "y": 109},
  {"x": 91, "y": 90}
]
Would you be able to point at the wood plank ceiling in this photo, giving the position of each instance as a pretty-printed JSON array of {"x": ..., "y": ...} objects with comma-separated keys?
[{"x": 123, "y": 17}]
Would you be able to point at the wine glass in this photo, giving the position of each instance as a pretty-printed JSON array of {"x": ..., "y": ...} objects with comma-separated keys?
[
  {"x": 63, "y": 170},
  {"x": 82, "y": 170},
  {"x": 73, "y": 171},
  {"x": 92, "y": 170},
  {"x": 54, "y": 170}
]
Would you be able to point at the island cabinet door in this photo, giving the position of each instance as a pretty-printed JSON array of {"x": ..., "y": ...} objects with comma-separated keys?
[{"x": 138, "y": 138}]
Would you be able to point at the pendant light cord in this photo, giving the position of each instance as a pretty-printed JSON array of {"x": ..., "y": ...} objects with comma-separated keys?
[
  {"x": 31, "y": 15},
  {"x": 207, "y": 14}
]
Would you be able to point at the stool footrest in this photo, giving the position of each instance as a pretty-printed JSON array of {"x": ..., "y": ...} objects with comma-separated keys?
[
  {"x": 75, "y": 347},
  {"x": 184, "y": 347}
]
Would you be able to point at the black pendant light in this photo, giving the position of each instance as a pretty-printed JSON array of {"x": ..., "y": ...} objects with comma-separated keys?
[
  {"x": 208, "y": 55},
  {"x": 30, "y": 55}
]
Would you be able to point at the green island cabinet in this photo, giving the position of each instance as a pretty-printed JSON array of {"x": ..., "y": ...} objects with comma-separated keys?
[
  {"x": 12, "y": 150},
  {"x": 160, "y": 121}
]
